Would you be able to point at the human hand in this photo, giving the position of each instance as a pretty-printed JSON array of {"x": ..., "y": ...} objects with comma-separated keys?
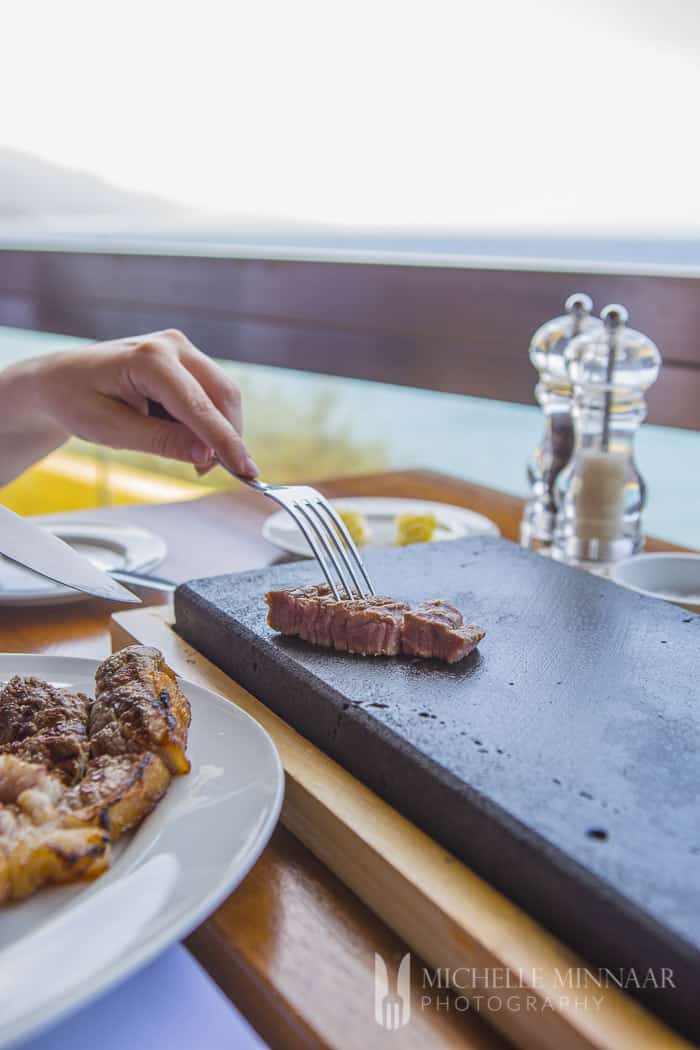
[{"x": 101, "y": 394}]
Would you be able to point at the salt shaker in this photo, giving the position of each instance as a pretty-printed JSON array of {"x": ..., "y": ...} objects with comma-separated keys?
[
  {"x": 554, "y": 394},
  {"x": 601, "y": 493}
]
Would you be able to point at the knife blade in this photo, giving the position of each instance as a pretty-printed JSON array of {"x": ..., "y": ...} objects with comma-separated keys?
[{"x": 39, "y": 550}]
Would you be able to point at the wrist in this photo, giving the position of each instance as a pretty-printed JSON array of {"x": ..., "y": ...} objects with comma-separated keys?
[{"x": 27, "y": 396}]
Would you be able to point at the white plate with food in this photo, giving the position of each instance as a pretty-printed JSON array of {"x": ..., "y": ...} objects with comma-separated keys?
[
  {"x": 150, "y": 884},
  {"x": 109, "y": 545},
  {"x": 385, "y": 522}
]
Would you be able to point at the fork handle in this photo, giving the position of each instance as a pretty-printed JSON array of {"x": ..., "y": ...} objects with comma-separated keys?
[{"x": 252, "y": 483}]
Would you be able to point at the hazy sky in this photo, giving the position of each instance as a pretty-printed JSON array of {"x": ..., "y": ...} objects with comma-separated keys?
[{"x": 496, "y": 113}]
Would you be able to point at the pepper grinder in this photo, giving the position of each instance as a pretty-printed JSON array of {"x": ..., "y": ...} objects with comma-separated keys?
[
  {"x": 554, "y": 394},
  {"x": 601, "y": 493}
]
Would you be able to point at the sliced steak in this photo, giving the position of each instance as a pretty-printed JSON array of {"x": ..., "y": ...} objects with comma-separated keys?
[
  {"x": 436, "y": 629},
  {"x": 372, "y": 626},
  {"x": 44, "y": 724},
  {"x": 369, "y": 626}
]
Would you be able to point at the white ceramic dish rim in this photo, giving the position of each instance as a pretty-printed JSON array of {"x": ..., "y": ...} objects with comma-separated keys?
[
  {"x": 465, "y": 521},
  {"x": 660, "y": 556},
  {"x": 143, "y": 551},
  {"x": 141, "y": 954}
]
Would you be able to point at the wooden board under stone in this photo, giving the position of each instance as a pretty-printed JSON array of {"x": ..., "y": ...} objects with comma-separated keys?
[{"x": 560, "y": 760}]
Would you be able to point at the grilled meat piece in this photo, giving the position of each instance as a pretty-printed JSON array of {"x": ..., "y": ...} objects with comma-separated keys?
[
  {"x": 436, "y": 629},
  {"x": 40, "y": 839},
  {"x": 119, "y": 791},
  {"x": 138, "y": 707},
  {"x": 44, "y": 724},
  {"x": 75, "y": 775},
  {"x": 40, "y": 792},
  {"x": 372, "y": 626}
]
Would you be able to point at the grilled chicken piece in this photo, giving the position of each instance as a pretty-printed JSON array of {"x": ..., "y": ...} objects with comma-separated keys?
[
  {"x": 76, "y": 774},
  {"x": 119, "y": 791},
  {"x": 43, "y": 724},
  {"x": 40, "y": 792},
  {"x": 40, "y": 840},
  {"x": 139, "y": 707}
]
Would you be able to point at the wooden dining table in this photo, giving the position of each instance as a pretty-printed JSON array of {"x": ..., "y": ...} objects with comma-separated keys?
[{"x": 293, "y": 948}]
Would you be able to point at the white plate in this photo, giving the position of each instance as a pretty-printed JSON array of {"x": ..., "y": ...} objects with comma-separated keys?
[
  {"x": 453, "y": 522},
  {"x": 66, "y": 945},
  {"x": 673, "y": 576},
  {"x": 109, "y": 545}
]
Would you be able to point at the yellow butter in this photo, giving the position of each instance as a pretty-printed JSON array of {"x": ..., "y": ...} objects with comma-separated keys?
[
  {"x": 356, "y": 524},
  {"x": 415, "y": 528}
]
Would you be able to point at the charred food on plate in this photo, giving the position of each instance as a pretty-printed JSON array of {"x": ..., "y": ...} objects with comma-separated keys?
[{"x": 75, "y": 774}]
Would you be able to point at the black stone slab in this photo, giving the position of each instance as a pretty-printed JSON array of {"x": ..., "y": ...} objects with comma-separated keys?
[{"x": 560, "y": 760}]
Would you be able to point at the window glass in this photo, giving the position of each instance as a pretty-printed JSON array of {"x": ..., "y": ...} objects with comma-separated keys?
[
  {"x": 558, "y": 129},
  {"x": 300, "y": 425}
]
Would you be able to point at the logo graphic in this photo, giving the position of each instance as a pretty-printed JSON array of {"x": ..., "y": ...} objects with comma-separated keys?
[{"x": 392, "y": 1006}]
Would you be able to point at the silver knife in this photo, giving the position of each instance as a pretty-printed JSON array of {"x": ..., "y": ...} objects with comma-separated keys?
[
  {"x": 143, "y": 579},
  {"x": 39, "y": 550}
]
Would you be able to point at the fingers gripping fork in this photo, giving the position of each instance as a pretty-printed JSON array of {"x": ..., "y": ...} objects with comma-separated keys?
[{"x": 324, "y": 531}]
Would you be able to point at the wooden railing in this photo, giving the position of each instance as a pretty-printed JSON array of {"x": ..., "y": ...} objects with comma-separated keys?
[{"x": 453, "y": 328}]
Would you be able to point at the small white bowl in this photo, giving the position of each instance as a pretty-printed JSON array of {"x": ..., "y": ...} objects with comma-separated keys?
[{"x": 674, "y": 577}]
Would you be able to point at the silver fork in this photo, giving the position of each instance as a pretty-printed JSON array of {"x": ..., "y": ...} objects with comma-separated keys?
[
  {"x": 326, "y": 534},
  {"x": 316, "y": 518}
]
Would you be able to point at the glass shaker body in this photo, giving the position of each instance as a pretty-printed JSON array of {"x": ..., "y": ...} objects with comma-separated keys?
[
  {"x": 554, "y": 394},
  {"x": 601, "y": 493}
]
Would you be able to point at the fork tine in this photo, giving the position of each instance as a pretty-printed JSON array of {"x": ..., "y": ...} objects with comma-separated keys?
[
  {"x": 308, "y": 536},
  {"x": 325, "y": 505},
  {"x": 304, "y": 504},
  {"x": 338, "y": 543},
  {"x": 304, "y": 508}
]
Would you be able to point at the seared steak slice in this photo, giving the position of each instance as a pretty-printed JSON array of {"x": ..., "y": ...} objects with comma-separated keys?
[
  {"x": 41, "y": 723},
  {"x": 139, "y": 707},
  {"x": 370, "y": 626},
  {"x": 436, "y": 629}
]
